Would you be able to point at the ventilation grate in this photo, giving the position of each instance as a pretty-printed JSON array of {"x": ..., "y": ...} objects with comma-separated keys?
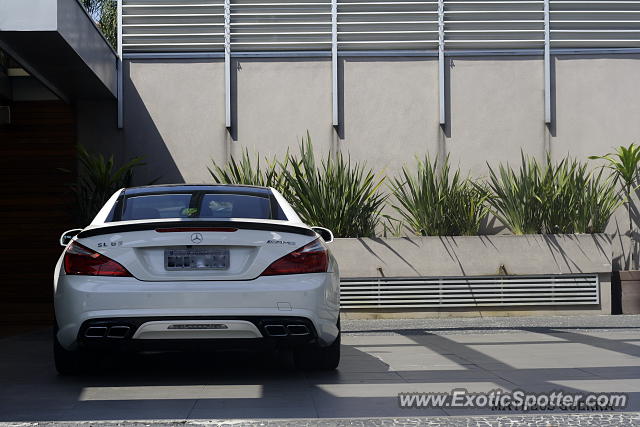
[{"x": 498, "y": 291}]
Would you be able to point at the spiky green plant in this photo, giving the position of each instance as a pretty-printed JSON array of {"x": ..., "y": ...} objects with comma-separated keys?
[
  {"x": 515, "y": 197},
  {"x": 560, "y": 193},
  {"x": 98, "y": 179},
  {"x": 598, "y": 203},
  {"x": 338, "y": 194},
  {"x": 434, "y": 202},
  {"x": 249, "y": 172},
  {"x": 624, "y": 163},
  {"x": 560, "y": 197}
]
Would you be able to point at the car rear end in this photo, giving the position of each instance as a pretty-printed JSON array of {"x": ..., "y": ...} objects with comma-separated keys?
[{"x": 161, "y": 281}]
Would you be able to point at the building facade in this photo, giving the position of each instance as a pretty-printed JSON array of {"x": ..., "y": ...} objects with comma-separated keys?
[
  {"x": 195, "y": 81},
  {"x": 383, "y": 81}
]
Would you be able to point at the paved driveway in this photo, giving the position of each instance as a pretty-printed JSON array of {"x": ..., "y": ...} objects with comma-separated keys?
[{"x": 380, "y": 360}]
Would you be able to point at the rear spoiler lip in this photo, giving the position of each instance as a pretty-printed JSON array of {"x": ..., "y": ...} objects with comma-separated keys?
[{"x": 125, "y": 228}]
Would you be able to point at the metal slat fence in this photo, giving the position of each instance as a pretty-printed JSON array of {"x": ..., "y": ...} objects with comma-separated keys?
[{"x": 306, "y": 25}]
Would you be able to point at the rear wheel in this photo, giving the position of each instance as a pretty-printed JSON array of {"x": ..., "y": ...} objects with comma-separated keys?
[
  {"x": 67, "y": 362},
  {"x": 314, "y": 357}
]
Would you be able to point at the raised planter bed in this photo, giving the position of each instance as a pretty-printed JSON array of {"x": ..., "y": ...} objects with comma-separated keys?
[{"x": 475, "y": 275}]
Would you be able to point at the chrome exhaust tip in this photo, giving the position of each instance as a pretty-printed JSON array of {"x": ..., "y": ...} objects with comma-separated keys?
[
  {"x": 298, "y": 330},
  {"x": 276, "y": 330},
  {"x": 95, "y": 332},
  {"x": 118, "y": 332}
]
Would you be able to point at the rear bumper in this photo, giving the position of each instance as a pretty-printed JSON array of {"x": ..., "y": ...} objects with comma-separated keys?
[
  {"x": 84, "y": 300},
  {"x": 158, "y": 333}
]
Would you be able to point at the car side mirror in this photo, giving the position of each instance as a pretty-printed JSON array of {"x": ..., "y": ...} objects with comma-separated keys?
[
  {"x": 68, "y": 235},
  {"x": 325, "y": 233}
]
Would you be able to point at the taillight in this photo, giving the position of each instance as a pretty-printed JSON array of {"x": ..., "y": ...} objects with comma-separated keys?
[
  {"x": 79, "y": 259},
  {"x": 311, "y": 258}
]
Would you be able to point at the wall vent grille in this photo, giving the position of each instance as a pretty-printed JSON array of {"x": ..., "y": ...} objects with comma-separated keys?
[{"x": 442, "y": 292}]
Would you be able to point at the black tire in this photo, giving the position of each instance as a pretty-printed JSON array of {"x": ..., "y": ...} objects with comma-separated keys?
[
  {"x": 314, "y": 357},
  {"x": 67, "y": 362}
]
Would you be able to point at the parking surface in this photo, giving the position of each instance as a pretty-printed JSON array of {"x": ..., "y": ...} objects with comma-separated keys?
[{"x": 380, "y": 360}]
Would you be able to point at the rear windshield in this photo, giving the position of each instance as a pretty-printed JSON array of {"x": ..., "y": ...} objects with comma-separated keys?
[{"x": 196, "y": 205}]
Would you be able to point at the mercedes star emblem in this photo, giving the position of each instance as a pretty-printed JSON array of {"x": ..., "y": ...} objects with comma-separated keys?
[{"x": 196, "y": 238}]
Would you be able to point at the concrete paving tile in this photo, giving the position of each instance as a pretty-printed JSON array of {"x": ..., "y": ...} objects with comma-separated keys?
[
  {"x": 19, "y": 415},
  {"x": 527, "y": 356},
  {"x": 363, "y": 366},
  {"x": 369, "y": 407},
  {"x": 130, "y": 410},
  {"x": 347, "y": 377},
  {"x": 506, "y": 338},
  {"x": 617, "y": 335},
  {"x": 376, "y": 340},
  {"x": 615, "y": 372},
  {"x": 470, "y": 374},
  {"x": 172, "y": 392},
  {"x": 601, "y": 385},
  {"x": 392, "y": 390},
  {"x": 277, "y": 400},
  {"x": 523, "y": 377},
  {"x": 414, "y": 358},
  {"x": 250, "y": 412}
]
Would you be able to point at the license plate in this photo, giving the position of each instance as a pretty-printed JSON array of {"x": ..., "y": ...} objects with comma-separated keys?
[{"x": 196, "y": 259}]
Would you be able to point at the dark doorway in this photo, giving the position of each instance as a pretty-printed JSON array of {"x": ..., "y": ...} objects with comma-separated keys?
[{"x": 34, "y": 208}]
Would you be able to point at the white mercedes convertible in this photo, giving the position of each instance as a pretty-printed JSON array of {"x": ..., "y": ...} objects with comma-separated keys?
[{"x": 165, "y": 267}]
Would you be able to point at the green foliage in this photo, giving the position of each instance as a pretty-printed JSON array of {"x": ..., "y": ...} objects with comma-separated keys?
[
  {"x": 515, "y": 197},
  {"x": 624, "y": 163},
  {"x": 558, "y": 197},
  {"x": 244, "y": 171},
  {"x": 436, "y": 203},
  {"x": 105, "y": 13},
  {"x": 337, "y": 194},
  {"x": 599, "y": 202},
  {"x": 98, "y": 179}
]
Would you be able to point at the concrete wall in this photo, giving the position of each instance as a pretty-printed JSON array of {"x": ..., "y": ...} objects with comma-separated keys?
[
  {"x": 277, "y": 101},
  {"x": 390, "y": 110},
  {"x": 174, "y": 109},
  {"x": 174, "y": 117},
  {"x": 496, "y": 110},
  {"x": 597, "y": 104}
]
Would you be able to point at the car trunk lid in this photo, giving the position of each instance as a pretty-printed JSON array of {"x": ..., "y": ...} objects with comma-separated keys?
[{"x": 194, "y": 249}]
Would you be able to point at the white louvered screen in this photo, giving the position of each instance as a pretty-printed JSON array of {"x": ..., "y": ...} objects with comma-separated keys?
[
  {"x": 586, "y": 24},
  {"x": 306, "y": 25},
  {"x": 280, "y": 25},
  {"x": 494, "y": 24},
  {"x": 384, "y": 24},
  {"x": 500, "y": 291},
  {"x": 172, "y": 25}
]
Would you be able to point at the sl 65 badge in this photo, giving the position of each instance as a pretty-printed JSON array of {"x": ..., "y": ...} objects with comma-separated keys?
[{"x": 109, "y": 244}]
